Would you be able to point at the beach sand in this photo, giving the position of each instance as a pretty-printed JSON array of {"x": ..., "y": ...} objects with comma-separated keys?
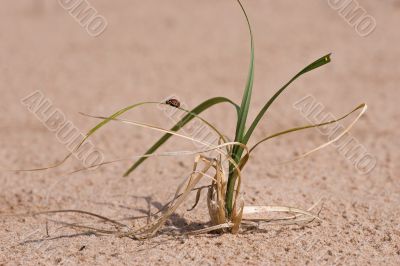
[{"x": 195, "y": 50}]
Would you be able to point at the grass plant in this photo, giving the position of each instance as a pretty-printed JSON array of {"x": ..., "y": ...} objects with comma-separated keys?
[{"x": 226, "y": 206}]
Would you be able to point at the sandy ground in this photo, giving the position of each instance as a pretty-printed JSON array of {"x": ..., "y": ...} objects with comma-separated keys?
[{"x": 195, "y": 50}]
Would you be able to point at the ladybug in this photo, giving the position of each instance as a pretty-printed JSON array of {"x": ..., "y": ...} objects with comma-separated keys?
[{"x": 173, "y": 102}]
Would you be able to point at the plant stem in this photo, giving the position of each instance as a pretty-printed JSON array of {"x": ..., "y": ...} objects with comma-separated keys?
[
  {"x": 236, "y": 155},
  {"x": 229, "y": 191}
]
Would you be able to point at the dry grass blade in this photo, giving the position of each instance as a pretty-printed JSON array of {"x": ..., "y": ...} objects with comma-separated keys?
[
  {"x": 151, "y": 229},
  {"x": 198, "y": 194},
  {"x": 248, "y": 210},
  {"x": 92, "y": 229},
  {"x": 305, "y": 127},
  {"x": 164, "y": 154},
  {"x": 363, "y": 108},
  {"x": 211, "y": 229},
  {"x": 105, "y": 219},
  {"x": 172, "y": 132}
]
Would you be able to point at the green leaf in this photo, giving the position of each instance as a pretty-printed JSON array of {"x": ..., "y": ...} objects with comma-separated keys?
[
  {"x": 186, "y": 119},
  {"x": 316, "y": 64},
  {"x": 246, "y": 99},
  {"x": 241, "y": 123}
]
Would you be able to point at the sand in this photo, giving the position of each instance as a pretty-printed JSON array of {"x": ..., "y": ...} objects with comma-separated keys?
[{"x": 195, "y": 50}]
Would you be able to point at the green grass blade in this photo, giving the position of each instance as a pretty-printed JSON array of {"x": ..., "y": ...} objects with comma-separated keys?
[
  {"x": 186, "y": 119},
  {"x": 245, "y": 105},
  {"x": 316, "y": 64},
  {"x": 242, "y": 118}
]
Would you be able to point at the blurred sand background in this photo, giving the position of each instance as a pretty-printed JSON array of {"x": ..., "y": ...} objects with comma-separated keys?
[{"x": 196, "y": 50}]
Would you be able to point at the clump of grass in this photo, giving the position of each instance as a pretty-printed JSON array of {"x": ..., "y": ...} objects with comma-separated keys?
[{"x": 225, "y": 204}]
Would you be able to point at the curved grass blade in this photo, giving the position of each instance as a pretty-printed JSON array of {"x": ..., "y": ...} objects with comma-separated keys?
[
  {"x": 80, "y": 212},
  {"x": 305, "y": 127},
  {"x": 237, "y": 153},
  {"x": 88, "y": 134},
  {"x": 314, "y": 65},
  {"x": 186, "y": 119},
  {"x": 111, "y": 117},
  {"x": 363, "y": 108},
  {"x": 198, "y": 195},
  {"x": 245, "y": 105},
  {"x": 144, "y": 125}
]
